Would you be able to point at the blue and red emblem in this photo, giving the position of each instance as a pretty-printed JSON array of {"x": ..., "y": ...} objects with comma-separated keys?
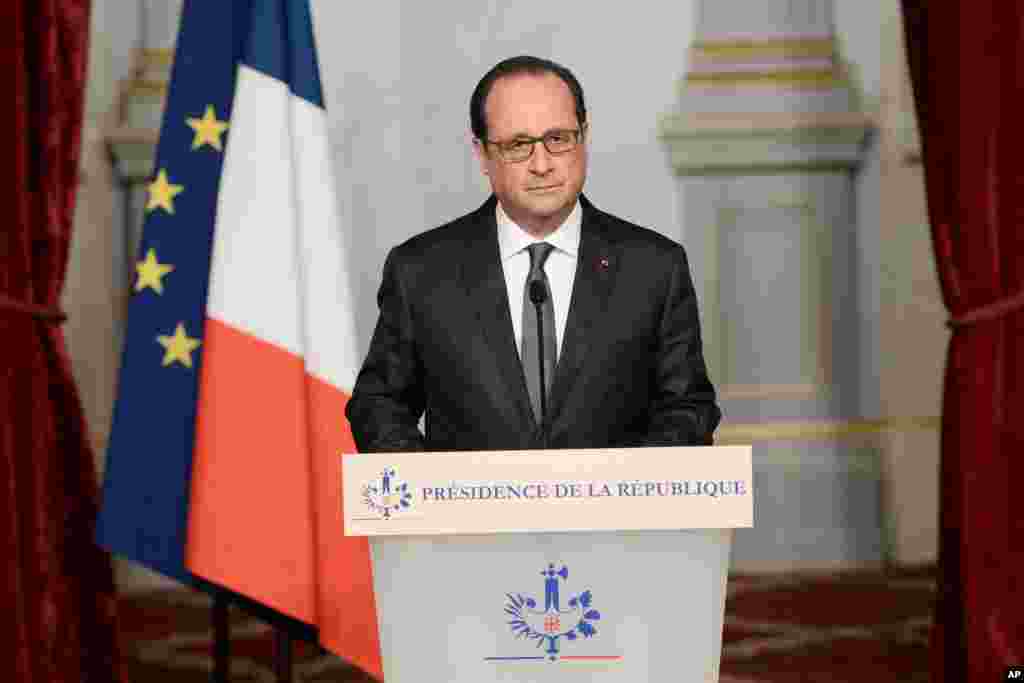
[
  {"x": 387, "y": 496},
  {"x": 552, "y": 624}
]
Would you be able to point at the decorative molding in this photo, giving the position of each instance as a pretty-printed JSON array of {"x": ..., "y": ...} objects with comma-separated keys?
[
  {"x": 789, "y": 78},
  {"x": 144, "y": 136},
  {"x": 143, "y": 87},
  {"x": 787, "y": 64},
  {"x": 798, "y": 564},
  {"x": 815, "y": 307},
  {"x": 155, "y": 56},
  {"x": 849, "y": 124},
  {"x": 768, "y": 391},
  {"x": 820, "y": 431},
  {"x": 133, "y": 135},
  {"x": 752, "y": 104},
  {"x": 750, "y": 49},
  {"x": 703, "y": 143},
  {"x": 134, "y": 150}
]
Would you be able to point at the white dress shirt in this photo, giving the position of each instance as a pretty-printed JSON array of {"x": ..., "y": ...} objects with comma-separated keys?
[{"x": 560, "y": 268}]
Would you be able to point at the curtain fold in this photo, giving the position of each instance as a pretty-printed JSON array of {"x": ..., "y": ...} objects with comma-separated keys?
[
  {"x": 58, "y": 591},
  {"x": 964, "y": 61}
]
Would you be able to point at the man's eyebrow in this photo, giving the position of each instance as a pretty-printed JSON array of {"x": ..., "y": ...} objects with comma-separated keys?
[{"x": 524, "y": 134}]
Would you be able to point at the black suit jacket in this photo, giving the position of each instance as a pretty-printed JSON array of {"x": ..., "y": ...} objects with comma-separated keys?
[{"x": 630, "y": 373}]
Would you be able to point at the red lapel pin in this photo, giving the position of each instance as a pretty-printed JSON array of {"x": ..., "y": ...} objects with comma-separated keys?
[{"x": 604, "y": 262}]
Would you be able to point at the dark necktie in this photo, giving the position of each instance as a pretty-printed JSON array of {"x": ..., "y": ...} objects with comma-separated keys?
[{"x": 530, "y": 356}]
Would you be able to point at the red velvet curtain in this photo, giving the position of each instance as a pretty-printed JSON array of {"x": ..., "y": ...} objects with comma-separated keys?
[
  {"x": 966, "y": 66},
  {"x": 58, "y": 605}
]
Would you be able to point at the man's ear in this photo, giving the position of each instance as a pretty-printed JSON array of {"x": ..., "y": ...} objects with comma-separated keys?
[{"x": 481, "y": 155}]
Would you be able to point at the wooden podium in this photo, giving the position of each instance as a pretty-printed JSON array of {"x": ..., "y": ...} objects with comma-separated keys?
[{"x": 568, "y": 565}]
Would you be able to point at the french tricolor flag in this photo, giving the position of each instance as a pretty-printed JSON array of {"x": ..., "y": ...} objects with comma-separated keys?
[{"x": 224, "y": 461}]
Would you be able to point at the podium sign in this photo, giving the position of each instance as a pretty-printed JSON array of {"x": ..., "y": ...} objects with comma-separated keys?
[{"x": 570, "y": 565}]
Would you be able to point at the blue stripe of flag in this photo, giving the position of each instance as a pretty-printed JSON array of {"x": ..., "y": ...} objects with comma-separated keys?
[{"x": 282, "y": 47}]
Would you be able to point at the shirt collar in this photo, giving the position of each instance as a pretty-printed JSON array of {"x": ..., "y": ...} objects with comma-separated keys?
[{"x": 512, "y": 239}]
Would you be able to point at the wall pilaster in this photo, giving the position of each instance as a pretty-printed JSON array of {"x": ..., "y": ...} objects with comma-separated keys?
[{"x": 766, "y": 140}]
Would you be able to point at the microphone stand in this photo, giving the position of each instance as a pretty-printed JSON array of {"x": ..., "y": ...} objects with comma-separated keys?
[{"x": 538, "y": 295}]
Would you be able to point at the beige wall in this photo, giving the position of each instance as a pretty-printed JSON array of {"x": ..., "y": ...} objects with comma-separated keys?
[
  {"x": 92, "y": 292},
  {"x": 912, "y": 335}
]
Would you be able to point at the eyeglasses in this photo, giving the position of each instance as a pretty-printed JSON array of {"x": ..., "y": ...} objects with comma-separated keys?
[{"x": 555, "y": 142}]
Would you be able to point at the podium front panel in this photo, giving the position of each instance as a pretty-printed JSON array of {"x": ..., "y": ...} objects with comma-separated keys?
[{"x": 605, "y": 606}]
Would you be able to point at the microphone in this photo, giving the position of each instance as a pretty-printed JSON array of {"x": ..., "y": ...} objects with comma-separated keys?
[{"x": 538, "y": 295}]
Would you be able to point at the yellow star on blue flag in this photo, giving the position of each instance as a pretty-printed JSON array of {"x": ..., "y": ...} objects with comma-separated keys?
[
  {"x": 162, "y": 193},
  {"x": 178, "y": 347},
  {"x": 208, "y": 129}
]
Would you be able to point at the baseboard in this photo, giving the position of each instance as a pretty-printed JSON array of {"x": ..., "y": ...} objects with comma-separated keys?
[{"x": 133, "y": 578}]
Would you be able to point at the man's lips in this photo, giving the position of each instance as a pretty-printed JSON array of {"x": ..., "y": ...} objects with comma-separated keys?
[{"x": 543, "y": 188}]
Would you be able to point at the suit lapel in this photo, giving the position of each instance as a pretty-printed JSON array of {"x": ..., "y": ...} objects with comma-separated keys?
[
  {"x": 596, "y": 266},
  {"x": 483, "y": 281}
]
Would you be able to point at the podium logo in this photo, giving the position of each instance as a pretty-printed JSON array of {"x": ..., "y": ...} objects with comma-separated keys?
[
  {"x": 388, "y": 495},
  {"x": 550, "y": 625}
]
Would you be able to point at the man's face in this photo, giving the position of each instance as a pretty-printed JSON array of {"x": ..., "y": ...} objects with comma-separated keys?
[{"x": 539, "y": 193}]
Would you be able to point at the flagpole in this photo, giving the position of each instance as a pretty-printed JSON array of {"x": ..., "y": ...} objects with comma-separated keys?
[
  {"x": 283, "y": 641},
  {"x": 221, "y": 638},
  {"x": 282, "y": 655}
]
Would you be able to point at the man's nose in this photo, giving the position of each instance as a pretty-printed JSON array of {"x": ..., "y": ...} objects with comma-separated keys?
[{"x": 540, "y": 160}]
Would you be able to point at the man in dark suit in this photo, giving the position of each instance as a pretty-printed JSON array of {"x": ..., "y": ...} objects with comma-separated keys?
[{"x": 537, "y": 280}]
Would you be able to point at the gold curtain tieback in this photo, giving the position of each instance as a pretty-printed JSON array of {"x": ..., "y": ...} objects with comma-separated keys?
[
  {"x": 51, "y": 315},
  {"x": 993, "y": 311}
]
